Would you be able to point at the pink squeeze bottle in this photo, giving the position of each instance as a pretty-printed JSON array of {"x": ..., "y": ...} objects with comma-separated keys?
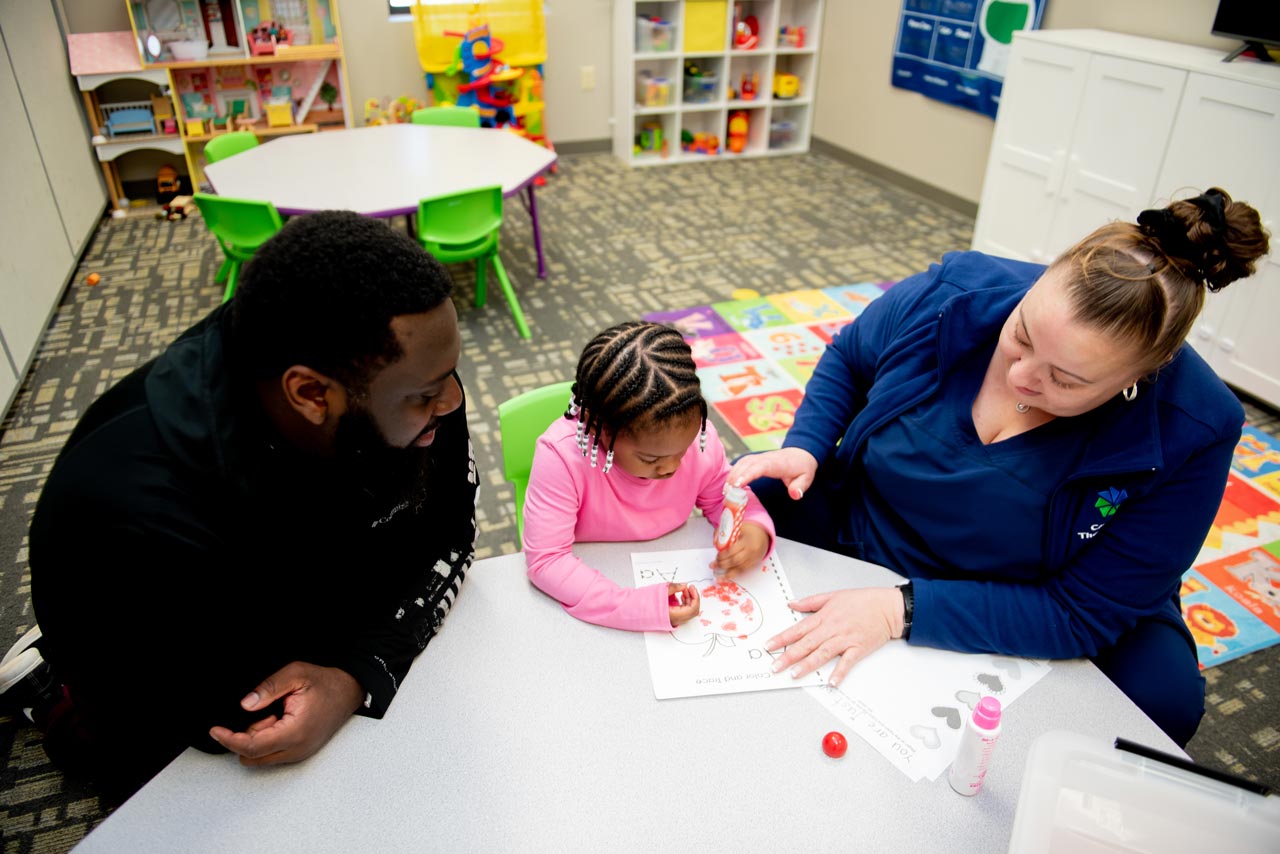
[
  {"x": 735, "y": 508},
  {"x": 976, "y": 743}
]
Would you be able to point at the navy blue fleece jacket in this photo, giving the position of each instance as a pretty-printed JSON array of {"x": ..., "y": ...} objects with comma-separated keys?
[{"x": 1168, "y": 452}]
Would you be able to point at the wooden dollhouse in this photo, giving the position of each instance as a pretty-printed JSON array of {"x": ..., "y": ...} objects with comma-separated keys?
[{"x": 270, "y": 66}]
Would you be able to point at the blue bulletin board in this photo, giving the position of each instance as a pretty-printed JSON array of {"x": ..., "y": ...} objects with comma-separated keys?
[{"x": 957, "y": 50}]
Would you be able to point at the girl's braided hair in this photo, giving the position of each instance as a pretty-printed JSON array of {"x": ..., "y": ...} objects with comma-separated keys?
[{"x": 634, "y": 376}]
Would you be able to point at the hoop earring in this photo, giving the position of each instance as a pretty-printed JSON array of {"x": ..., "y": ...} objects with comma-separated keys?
[
  {"x": 608, "y": 461},
  {"x": 1131, "y": 393}
]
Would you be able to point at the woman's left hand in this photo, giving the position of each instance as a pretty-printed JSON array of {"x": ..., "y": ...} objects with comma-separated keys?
[
  {"x": 844, "y": 624},
  {"x": 747, "y": 552}
]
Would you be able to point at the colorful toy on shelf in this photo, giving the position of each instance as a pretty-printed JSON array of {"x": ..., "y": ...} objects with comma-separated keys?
[
  {"x": 699, "y": 143},
  {"x": 382, "y": 111},
  {"x": 652, "y": 91},
  {"x": 786, "y": 86},
  {"x": 651, "y": 139},
  {"x": 264, "y": 38},
  {"x": 791, "y": 37},
  {"x": 746, "y": 31},
  {"x": 478, "y": 58},
  {"x": 739, "y": 124},
  {"x": 654, "y": 34},
  {"x": 507, "y": 93},
  {"x": 699, "y": 85},
  {"x": 750, "y": 86}
]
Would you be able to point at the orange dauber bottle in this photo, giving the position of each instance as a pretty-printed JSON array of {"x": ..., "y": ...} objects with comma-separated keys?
[{"x": 735, "y": 508}]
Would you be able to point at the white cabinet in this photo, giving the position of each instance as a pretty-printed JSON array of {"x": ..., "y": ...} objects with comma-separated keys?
[
  {"x": 1228, "y": 134},
  {"x": 1097, "y": 126},
  {"x": 728, "y": 107}
]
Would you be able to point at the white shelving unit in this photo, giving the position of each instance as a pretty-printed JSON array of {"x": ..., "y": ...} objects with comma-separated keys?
[{"x": 648, "y": 130}]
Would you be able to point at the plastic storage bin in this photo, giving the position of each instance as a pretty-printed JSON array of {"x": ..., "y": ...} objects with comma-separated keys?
[
  {"x": 652, "y": 91},
  {"x": 1082, "y": 795},
  {"x": 655, "y": 35},
  {"x": 700, "y": 89},
  {"x": 782, "y": 134}
]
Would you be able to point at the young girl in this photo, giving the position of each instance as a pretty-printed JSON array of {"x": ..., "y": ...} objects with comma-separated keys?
[{"x": 632, "y": 456}]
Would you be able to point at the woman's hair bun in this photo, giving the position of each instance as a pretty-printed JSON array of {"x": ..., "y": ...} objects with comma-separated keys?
[{"x": 1209, "y": 238}]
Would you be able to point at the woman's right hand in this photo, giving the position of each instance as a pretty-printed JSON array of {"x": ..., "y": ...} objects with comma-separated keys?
[{"x": 795, "y": 467}]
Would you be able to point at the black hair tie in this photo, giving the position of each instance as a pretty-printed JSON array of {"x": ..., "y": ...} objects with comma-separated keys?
[
  {"x": 1214, "y": 207},
  {"x": 1168, "y": 231}
]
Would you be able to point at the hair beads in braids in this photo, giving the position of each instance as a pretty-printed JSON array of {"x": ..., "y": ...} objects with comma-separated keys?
[{"x": 632, "y": 377}]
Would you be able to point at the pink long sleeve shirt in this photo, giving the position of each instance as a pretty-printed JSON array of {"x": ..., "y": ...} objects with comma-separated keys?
[{"x": 568, "y": 501}]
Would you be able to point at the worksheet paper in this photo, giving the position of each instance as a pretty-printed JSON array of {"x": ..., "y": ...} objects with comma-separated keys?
[
  {"x": 911, "y": 703},
  {"x": 720, "y": 651}
]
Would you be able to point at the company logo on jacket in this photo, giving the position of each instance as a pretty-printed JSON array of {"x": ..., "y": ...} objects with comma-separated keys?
[{"x": 1108, "y": 503}]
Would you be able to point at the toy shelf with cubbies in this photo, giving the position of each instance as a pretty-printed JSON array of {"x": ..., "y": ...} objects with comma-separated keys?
[{"x": 701, "y": 79}]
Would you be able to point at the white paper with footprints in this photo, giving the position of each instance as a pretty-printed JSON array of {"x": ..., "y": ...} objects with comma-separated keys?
[{"x": 910, "y": 703}]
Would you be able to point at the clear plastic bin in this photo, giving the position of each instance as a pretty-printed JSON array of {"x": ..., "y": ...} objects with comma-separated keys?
[
  {"x": 655, "y": 36},
  {"x": 702, "y": 89},
  {"x": 1081, "y": 795},
  {"x": 652, "y": 91},
  {"x": 782, "y": 134}
]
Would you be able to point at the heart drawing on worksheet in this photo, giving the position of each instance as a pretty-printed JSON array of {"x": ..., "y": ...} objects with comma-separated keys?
[
  {"x": 927, "y": 735},
  {"x": 991, "y": 681},
  {"x": 969, "y": 698},
  {"x": 1008, "y": 665},
  {"x": 948, "y": 714}
]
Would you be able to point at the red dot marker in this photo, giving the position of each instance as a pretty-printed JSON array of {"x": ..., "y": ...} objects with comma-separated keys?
[{"x": 834, "y": 745}]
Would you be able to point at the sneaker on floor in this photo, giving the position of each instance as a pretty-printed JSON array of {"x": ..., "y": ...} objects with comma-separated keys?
[
  {"x": 26, "y": 681},
  {"x": 24, "y": 643}
]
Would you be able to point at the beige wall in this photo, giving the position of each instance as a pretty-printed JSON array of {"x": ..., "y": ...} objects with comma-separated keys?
[
  {"x": 382, "y": 61},
  {"x": 857, "y": 109}
]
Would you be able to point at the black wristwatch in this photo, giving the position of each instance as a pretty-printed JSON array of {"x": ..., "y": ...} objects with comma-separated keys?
[{"x": 908, "y": 608}]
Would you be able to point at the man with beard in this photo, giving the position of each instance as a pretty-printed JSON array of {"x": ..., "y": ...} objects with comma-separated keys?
[{"x": 251, "y": 537}]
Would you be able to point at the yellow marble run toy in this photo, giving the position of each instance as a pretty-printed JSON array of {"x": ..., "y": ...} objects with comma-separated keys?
[{"x": 487, "y": 55}]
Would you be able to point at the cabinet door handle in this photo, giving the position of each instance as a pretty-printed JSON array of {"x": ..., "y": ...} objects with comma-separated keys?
[
  {"x": 1227, "y": 345},
  {"x": 1204, "y": 332}
]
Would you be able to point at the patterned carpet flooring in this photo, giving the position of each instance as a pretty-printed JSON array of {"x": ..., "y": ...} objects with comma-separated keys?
[{"x": 620, "y": 243}]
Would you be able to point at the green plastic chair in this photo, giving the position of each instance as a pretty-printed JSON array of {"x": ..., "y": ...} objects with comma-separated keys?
[
  {"x": 464, "y": 227},
  {"x": 222, "y": 147},
  {"x": 241, "y": 226},
  {"x": 458, "y": 117},
  {"x": 521, "y": 420}
]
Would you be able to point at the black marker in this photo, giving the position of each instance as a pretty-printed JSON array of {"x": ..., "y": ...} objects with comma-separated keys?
[{"x": 1187, "y": 765}]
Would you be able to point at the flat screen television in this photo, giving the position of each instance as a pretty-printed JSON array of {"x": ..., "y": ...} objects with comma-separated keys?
[{"x": 1255, "y": 22}]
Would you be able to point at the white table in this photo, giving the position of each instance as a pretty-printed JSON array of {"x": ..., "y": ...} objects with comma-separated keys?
[
  {"x": 384, "y": 171},
  {"x": 521, "y": 728}
]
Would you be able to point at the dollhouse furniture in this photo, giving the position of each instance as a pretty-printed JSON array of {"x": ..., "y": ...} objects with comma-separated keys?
[
  {"x": 268, "y": 70},
  {"x": 385, "y": 171},
  {"x": 127, "y": 117},
  {"x": 99, "y": 60},
  {"x": 508, "y": 649}
]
